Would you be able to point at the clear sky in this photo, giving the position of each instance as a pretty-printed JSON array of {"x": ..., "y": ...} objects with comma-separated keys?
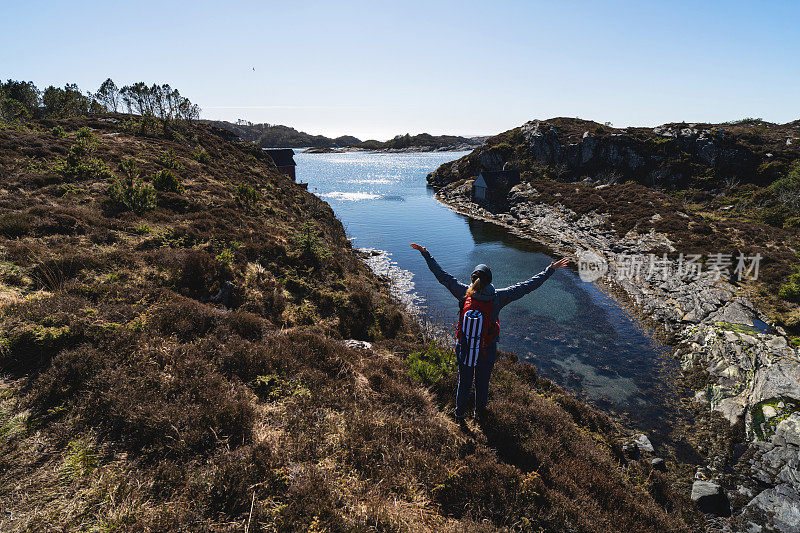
[{"x": 375, "y": 69}]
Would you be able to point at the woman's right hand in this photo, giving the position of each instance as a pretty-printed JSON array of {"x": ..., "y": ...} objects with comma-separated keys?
[{"x": 419, "y": 248}]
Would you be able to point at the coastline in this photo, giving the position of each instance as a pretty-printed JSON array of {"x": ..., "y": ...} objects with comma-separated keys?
[{"x": 747, "y": 373}]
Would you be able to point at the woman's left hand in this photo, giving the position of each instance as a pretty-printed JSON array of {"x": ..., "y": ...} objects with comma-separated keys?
[{"x": 560, "y": 263}]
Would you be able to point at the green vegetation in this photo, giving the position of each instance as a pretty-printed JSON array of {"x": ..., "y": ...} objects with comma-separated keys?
[
  {"x": 170, "y": 160},
  {"x": 201, "y": 156},
  {"x": 432, "y": 365},
  {"x": 164, "y": 180},
  {"x": 79, "y": 164},
  {"x": 130, "y": 191},
  {"x": 791, "y": 289},
  {"x": 309, "y": 243},
  {"x": 247, "y": 196}
]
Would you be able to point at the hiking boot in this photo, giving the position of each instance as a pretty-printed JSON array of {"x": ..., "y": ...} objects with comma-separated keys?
[{"x": 460, "y": 420}]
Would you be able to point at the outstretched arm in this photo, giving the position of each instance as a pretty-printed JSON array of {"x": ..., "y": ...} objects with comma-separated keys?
[
  {"x": 515, "y": 292},
  {"x": 456, "y": 288}
]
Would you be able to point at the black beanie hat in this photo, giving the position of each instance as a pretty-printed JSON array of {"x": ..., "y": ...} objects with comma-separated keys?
[{"x": 484, "y": 272}]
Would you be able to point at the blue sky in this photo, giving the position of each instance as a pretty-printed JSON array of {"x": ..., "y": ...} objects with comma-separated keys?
[{"x": 375, "y": 69}]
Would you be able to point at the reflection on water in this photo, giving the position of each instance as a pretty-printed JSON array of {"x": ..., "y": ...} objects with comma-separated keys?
[{"x": 573, "y": 332}]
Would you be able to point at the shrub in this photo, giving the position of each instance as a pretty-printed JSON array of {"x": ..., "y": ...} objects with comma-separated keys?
[
  {"x": 58, "y": 131},
  {"x": 170, "y": 160},
  {"x": 431, "y": 365},
  {"x": 309, "y": 244},
  {"x": 791, "y": 289},
  {"x": 199, "y": 273},
  {"x": 130, "y": 191},
  {"x": 246, "y": 325},
  {"x": 85, "y": 134},
  {"x": 14, "y": 225},
  {"x": 775, "y": 216},
  {"x": 165, "y": 180},
  {"x": 247, "y": 197},
  {"x": 78, "y": 164},
  {"x": 787, "y": 189},
  {"x": 201, "y": 155}
]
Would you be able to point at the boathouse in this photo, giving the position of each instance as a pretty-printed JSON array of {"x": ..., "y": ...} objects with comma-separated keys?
[
  {"x": 493, "y": 186},
  {"x": 284, "y": 160}
]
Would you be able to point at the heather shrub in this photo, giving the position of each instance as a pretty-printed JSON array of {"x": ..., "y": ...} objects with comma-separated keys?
[
  {"x": 58, "y": 131},
  {"x": 186, "y": 318},
  {"x": 247, "y": 325},
  {"x": 13, "y": 225},
  {"x": 357, "y": 317},
  {"x": 390, "y": 321},
  {"x": 198, "y": 274},
  {"x": 52, "y": 274},
  {"x": 27, "y": 346},
  {"x": 194, "y": 411},
  {"x": 274, "y": 303}
]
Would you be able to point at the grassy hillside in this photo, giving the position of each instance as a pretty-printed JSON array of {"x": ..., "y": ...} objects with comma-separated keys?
[{"x": 134, "y": 399}]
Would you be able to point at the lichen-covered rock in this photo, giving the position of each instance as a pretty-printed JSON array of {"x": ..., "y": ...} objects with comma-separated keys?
[
  {"x": 788, "y": 429},
  {"x": 776, "y": 509}
]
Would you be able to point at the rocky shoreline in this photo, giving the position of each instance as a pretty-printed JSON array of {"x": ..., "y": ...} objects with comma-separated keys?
[{"x": 752, "y": 373}]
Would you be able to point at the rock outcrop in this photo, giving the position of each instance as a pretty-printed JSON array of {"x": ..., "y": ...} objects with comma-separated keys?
[{"x": 671, "y": 154}]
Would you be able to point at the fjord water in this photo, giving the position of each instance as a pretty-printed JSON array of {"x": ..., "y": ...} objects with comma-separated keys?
[{"x": 573, "y": 333}]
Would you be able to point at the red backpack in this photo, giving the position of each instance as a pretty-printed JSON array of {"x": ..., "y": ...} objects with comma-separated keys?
[{"x": 475, "y": 332}]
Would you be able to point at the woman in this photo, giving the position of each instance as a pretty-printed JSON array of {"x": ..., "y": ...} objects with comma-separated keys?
[{"x": 484, "y": 296}]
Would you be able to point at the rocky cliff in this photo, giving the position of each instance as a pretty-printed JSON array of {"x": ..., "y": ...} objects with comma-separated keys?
[{"x": 671, "y": 155}]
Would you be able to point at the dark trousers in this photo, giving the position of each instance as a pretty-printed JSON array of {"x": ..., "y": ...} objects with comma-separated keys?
[{"x": 480, "y": 374}]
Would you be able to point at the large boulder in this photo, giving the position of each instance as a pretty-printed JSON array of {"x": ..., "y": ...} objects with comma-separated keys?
[{"x": 710, "y": 498}]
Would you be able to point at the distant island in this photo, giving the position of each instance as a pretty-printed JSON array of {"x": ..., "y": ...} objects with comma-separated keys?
[
  {"x": 277, "y": 136},
  {"x": 422, "y": 142}
]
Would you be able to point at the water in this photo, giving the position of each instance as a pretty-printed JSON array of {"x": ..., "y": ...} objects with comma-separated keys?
[{"x": 573, "y": 333}]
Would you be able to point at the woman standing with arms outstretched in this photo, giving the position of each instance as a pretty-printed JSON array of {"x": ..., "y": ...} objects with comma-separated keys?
[{"x": 478, "y": 325}]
